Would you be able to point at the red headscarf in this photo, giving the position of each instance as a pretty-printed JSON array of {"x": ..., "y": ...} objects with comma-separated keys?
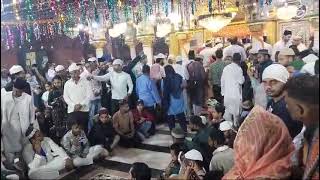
[{"x": 263, "y": 148}]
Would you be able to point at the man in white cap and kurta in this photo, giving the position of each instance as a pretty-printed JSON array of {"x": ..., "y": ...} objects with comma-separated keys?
[
  {"x": 283, "y": 43},
  {"x": 274, "y": 78},
  {"x": 120, "y": 82},
  {"x": 16, "y": 71},
  {"x": 17, "y": 113},
  {"x": 77, "y": 94},
  {"x": 192, "y": 165},
  {"x": 297, "y": 41}
]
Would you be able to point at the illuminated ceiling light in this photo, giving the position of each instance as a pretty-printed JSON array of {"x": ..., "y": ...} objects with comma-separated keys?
[
  {"x": 215, "y": 22},
  {"x": 287, "y": 12}
]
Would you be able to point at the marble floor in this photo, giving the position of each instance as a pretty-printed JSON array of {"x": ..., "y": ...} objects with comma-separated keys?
[{"x": 153, "y": 151}]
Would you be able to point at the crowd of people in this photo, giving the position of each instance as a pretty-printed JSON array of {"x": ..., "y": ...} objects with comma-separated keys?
[{"x": 253, "y": 110}]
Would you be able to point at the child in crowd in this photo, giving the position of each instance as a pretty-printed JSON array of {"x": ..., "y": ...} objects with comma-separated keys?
[
  {"x": 103, "y": 133},
  {"x": 174, "y": 166},
  {"x": 45, "y": 95},
  {"x": 77, "y": 146},
  {"x": 216, "y": 111},
  {"x": 123, "y": 123},
  {"x": 143, "y": 120},
  {"x": 229, "y": 132}
]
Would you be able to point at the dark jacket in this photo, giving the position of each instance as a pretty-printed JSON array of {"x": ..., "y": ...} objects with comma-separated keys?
[{"x": 102, "y": 134}]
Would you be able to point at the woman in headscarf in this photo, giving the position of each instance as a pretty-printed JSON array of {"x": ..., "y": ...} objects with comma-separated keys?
[
  {"x": 263, "y": 148},
  {"x": 173, "y": 102}
]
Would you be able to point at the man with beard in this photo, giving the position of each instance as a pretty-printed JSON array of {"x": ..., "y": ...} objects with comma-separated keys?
[
  {"x": 302, "y": 99},
  {"x": 16, "y": 71},
  {"x": 274, "y": 78},
  {"x": 222, "y": 156}
]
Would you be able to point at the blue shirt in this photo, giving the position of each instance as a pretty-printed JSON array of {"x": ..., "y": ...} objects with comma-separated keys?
[
  {"x": 147, "y": 91},
  {"x": 176, "y": 105}
]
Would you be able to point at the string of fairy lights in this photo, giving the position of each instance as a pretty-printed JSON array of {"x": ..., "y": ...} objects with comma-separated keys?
[{"x": 25, "y": 21}]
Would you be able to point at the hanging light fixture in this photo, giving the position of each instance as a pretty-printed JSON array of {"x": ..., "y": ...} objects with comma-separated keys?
[
  {"x": 215, "y": 22},
  {"x": 287, "y": 12}
]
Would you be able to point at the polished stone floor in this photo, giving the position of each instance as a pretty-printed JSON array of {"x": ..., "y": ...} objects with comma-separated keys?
[{"x": 153, "y": 151}]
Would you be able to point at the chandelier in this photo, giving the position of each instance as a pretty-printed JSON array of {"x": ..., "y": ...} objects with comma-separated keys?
[
  {"x": 287, "y": 12},
  {"x": 215, "y": 22}
]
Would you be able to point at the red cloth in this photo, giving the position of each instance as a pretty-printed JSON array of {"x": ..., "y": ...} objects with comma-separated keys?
[{"x": 137, "y": 116}]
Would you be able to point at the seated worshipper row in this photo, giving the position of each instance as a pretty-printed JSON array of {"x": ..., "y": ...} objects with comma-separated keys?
[{"x": 261, "y": 129}]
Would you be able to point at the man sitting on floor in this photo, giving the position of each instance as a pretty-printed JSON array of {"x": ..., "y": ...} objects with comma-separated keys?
[
  {"x": 123, "y": 123},
  {"x": 103, "y": 133},
  {"x": 76, "y": 144},
  {"x": 48, "y": 159}
]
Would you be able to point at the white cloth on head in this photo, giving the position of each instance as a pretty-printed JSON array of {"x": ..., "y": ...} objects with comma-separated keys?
[
  {"x": 117, "y": 62},
  {"x": 277, "y": 72},
  {"x": 225, "y": 126},
  {"x": 310, "y": 58},
  {"x": 15, "y": 69},
  {"x": 92, "y": 59},
  {"x": 308, "y": 68},
  {"x": 51, "y": 74},
  {"x": 194, "y": 155},
  {"x": 73, "y": 67},
  {"x": 59, "y": 68}
]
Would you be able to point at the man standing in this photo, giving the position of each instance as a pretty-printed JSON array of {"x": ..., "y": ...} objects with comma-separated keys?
[
  {"x": 96, "y": 87},
  {"x": 297, "y": 41},
  {"x": 231, "y": 88},
  {"x": 264, "y": 61},
  {"x": 16, "y": 71},
  {"x": 274, "y": 78},
  {"x": 302, "y": 99},
  {"x": 147, "y": 91},
  {"x": 17, "y": 113},
  {"x": 215, "y": 73},
  {"x": 234, "y": 48},
  {"x": 120, "y": 82},
  {"x": 207, "y": 53},
  {"x": 77, "y": 94},
  {"x": 283, "y": 43}
]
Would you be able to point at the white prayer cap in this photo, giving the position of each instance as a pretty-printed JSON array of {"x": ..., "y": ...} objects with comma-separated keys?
[
  {"x": 277, "y": 72},
  {"x": 310, "y": 58},
  {"x": 59, "y": 68},
  {"x": 92, "y": 59},
  {"x": 287, "y": 52},
  {"x": 73, "y": 67},
  {"x": 160, "y": 56},
  {"x": 194, "y": 155},
  {"x": 308, "y": 68},
  {"x": 225, "y": 126},
  {"x": 117, "y": 62},
  {"x": 15, "y": 69}
]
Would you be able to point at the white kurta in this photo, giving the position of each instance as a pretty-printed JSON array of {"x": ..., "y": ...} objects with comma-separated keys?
[
  {"x": 80, "y": 93},
  {"x": 231, "y": 88},
  {"x": 17, "y": 115},
  {"x": 121, "y": 84},
  {"x": 48, "y": 167}
]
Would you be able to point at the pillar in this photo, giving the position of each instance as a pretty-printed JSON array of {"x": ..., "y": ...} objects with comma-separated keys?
[
  {"x": 132, "y": 45},
  {"x": 147, "y": 42}
]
